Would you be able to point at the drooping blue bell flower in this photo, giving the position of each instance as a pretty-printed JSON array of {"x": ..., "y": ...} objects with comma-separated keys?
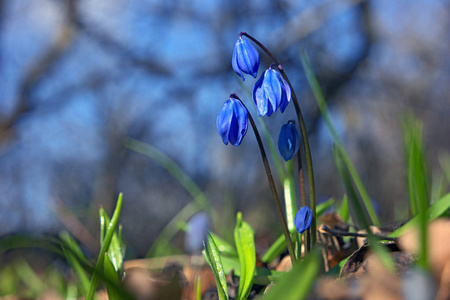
[
  {"x": 245, "y": 58},
  {"x": 288, "y": 140},
  {"x": 232, "y": 121},
  {"x": 303, "y": 219},
  {"x": 271, "y": 92}
]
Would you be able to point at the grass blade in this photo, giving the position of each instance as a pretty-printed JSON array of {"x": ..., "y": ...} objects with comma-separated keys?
[
  {"x": 440, "y": 208},
  {"x": 161, "y": 244},
  {"x": 245, "y": 245},
  {"x": 212, "y": 257},
  {"x": 320, "y": 98},
  {"x": 297, "y": 283},
  {"x": 72, "y": 252},
  {"x": 106, "y": 242}
]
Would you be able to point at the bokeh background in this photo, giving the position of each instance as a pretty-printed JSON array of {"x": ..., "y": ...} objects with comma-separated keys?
[{"x": 77, "y": 78}]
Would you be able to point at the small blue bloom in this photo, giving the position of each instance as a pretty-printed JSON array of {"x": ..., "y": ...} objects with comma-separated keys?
[
  {"x": 232, "y": 121},
  {"x": 288, "y": 140},
  {"x": 245, "y": 58},
  {"x": 303, "y": 219},
  {"x": 271, "y": 92},
  {"x": 197, "y": 228}
]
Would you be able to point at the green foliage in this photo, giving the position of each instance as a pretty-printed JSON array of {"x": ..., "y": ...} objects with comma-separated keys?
[
  {"x": 245, "y": 245},
  {"x": 161, "y": 246},
  {"x": 320, "y": 99},
  {"x": 212, "y": 257},
  {"x": 417, "y": 180},
  {"x": 110, "y": 231},
  {"x": 297, "y": 283}
]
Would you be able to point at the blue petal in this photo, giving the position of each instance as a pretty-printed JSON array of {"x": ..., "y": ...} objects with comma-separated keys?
[
  {"x": 234, "y": 64},
  {"x": 259, "y": 97},
  {"x": 303, "y": 219},
  {"x": 245, "y": 58},
  {"x": 223, "y": 121},
  {"x": 272, "y": 88},
  {"x": 286, "y": 97},
  {"x": 288, "y": 141},
  {"x": 232, "y": 122}
]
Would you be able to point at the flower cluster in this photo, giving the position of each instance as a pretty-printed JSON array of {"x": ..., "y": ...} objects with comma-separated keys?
[{"x": 270, "y": 92}]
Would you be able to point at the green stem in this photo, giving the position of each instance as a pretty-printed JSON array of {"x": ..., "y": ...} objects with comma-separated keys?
[
  {"x": 306, "y": 147},
  {"x": 281, "y": 217}
]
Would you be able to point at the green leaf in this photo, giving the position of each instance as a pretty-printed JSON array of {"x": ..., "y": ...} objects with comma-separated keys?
[
  {"x": 112, "y": 278},
  {"x": 115, "y": 250},
  {"x": 322, "y": 207},
  {"x": 106, "y": 243},
  {"x": 72, "y": 253},
  {"x": 360, "y": 215},
  {"x": 323, "y": 107},
  {"x": 198, "y": 288},
  {"x": 212, "y": 257},
  {"x": 343, "y": 210},
  {"x": 161, "y": 245},
  {"x": 224, "y": 247},
  {"x": 296, "y": 284},
  {"x": 245, "y": 245},
  {"x": 438, "y": 209}
]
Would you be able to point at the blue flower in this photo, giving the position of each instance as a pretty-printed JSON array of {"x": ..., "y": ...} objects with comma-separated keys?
[
  {"x": 303, "y": 219},
  {"x": 288, "y": 140},
  {"x": 271, "y": 92},
  {"x": 232, "y": 121},
  {"x": 245, "y": 58}
]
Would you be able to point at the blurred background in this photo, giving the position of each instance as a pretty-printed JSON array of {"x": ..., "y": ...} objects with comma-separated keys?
[{"x": 78, "y": 78}]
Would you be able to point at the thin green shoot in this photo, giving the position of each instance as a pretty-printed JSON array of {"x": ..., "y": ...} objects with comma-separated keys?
[
  {"x": 100, "y": 260},
  {"x": 323, "y": 107}
]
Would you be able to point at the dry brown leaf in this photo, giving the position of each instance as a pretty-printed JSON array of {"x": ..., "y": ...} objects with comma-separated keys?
[{"x": 438, "y": 245}]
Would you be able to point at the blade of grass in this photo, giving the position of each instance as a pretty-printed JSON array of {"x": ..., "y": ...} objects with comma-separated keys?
[
  {"x": 212, "y": 257},
  {"x": 115, "y": 252},
  {"x": 199, "y": 198},
  {"x": 323, "y": 107},
  {"x": 440, "y": 208},
  {"x": 417, "y": 180},
  {"x": 106, "y": 242},
  {"x": 245, "y": 245},
  {"x": 360, "y": 215},
  {"x": 70, "y": 246},
  {"x": 297, "y": 283},
  {"x": 113, "y": 279},
  {"x": 27, "y": 275},
  {"x": 343, "y": 210},
  {"x": 198, "y": 288}
]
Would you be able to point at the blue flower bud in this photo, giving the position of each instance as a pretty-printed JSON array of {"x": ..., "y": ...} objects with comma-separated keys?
[
  {"x": 245, "y": 58},
  {"x": 303, "y": 219},
  {"x": 271, "y": 92},
  {"x": 288, "y": 140},
  {"x": 232, "y": 122},
  {"x": 197, "y": 228}
]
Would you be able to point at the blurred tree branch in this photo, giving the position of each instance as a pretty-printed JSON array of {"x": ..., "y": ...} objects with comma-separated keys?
[{"x": 37, "y": 72}]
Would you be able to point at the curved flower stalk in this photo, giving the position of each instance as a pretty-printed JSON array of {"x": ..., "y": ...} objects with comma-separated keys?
[
  {"x": 288, "y": 140},
  {"x": 245, "y": 58},
  {"x": 231, "y": 130},
  {"x": 303, "y": 130},
  {"x": 271, "y": 92},
  {"x": 232, "y": 122}
]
